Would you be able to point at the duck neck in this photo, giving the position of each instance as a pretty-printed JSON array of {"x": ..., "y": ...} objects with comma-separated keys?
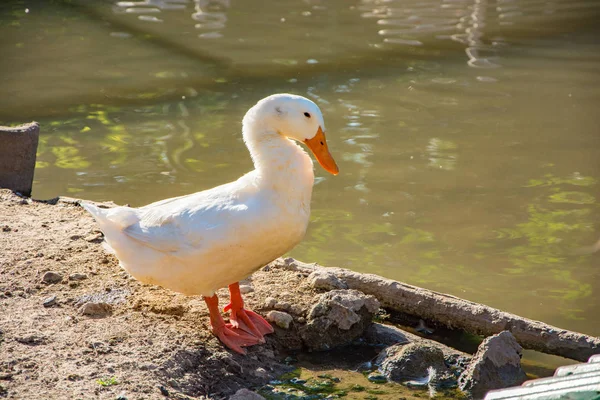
[{"x": 277, "y": 159}]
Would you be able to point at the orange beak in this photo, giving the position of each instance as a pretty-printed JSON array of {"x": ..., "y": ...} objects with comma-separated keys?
[{"x": 318, "y": 145}]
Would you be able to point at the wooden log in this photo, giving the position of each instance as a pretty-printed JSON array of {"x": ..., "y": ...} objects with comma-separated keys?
[
  {"x": 18, "y": 148},
  {"x": 457, "y": 313}
]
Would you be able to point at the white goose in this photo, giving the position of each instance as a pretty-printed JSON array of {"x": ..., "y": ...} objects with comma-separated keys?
[{"x": 198, "y": 243}]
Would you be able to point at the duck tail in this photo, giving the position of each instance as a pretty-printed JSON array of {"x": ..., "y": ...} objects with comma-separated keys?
[
  {"x": 117, "y": 217},
  {"x": 96, "y": 211}
]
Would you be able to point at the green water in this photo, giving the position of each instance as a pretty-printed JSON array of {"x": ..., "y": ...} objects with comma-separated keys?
[{"x": 466, "y": 132}]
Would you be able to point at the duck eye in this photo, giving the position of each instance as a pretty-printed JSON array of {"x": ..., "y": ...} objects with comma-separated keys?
[{"x": 307, "y": 115}]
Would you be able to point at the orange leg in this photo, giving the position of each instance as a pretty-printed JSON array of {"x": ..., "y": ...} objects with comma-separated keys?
[
  {"x": 246, "y": 320},
  {"x": 230, "y": 335}
]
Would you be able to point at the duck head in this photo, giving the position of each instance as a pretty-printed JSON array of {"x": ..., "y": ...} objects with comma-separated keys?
[{"x": 297, "y": 118}]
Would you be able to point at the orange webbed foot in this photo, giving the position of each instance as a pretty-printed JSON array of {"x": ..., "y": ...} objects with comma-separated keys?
[
  {"x": 245, "y": 319},
  {"x": 249, "y": 321},
  {"x": 235, "y": 338}
]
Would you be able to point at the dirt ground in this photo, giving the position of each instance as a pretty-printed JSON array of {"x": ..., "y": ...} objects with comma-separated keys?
[{"x": 152, "y": 343}]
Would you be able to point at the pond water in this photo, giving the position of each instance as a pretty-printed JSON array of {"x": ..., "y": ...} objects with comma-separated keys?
[{"x": 466, "y": 131}]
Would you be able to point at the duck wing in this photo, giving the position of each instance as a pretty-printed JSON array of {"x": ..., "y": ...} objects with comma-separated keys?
[{"x": 180, "y": 225}]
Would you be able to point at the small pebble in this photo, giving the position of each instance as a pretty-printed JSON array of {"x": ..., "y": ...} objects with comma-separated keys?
[
  {"x": 261, "y": 373},
  {"x": 93, "y": 237},
  {"x": 283, "y": 305},
  {"x": 50, "y": 301},
  {"x": 246, "y": 289},
  {"x": 96, "y": 309},
  {"x": 376, "y": 377},
  {"x": 52, "y": 277},
  {"x": 77, "y": 277},
  {"x": 281, "y": 319},
  {"x": 148, "y": 367},
  {"x": 270, "y": 302},
  {"x": 163, "y": 391},
  {"x": 290, "y": 360},
  {"x": 32, "y": 338}
]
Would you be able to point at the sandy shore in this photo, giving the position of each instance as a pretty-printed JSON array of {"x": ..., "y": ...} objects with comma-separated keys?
[{"x": 147, "y": 338}]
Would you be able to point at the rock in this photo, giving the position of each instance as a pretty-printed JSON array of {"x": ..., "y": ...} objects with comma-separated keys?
[
  {"x": 283, "y": 305},
  {"x": 281, "y": 319},
  {"x": 376, "y": 377},
  {"x": 77, "y": 277},
  {"x": 17, "y": 156},
  {"x": 6, "y": 376},
  {"x": 52, "y": 277},
  {"x": 50, "y": 301},
  {"x": 337, "y": 318},
  {"x": 96, "y": 309},
  {"x": 94, "y": 237},
  {"x": 270, "y": 302},
  {"x": 163, "y": 391},
  {"x": 245, "y": 394},
  {"x": 320, "y": 279},
  {"x": 246, "y": 289},
  {"x": 32, "y": 338},
  {"x": 387, "y": 335},
  {"x": 400, "y": 363},
  {"x": 496, "y": 365},
  {"x": 262, "y": 373}
]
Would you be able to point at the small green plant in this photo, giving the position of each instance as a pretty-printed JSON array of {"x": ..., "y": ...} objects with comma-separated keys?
[
  {"x": 357, "y": 388},
  {"x": 107, "y": 381}
]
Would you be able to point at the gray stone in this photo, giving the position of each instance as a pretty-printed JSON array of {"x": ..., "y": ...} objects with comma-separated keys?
[
  {"x": 32, "y": 338},
  {"x": 376, "y": 377},
  {"x": 245, "y": 394},
  {"x": 337, "y": 318},
  {"x": 270, "y": 302},
  {"x": 49, "y": 302},
  {"x": 281, "y": 319},
  {"x": 400, "y": 363},
  {"x": 387, "y": 335},
  {"x": 17, "y": 156},
  {"x": 283, "y": 305},
  {"x": 321, "y": 279},
  {"x": 52, "y": 277},
  {"x": 246, "y": 289},
  {"x": 77, "y": 277},
  {"x": 496, "y": 365},
  {"x": 262, "y": 373},
  {"x": 96, "y": 309}
]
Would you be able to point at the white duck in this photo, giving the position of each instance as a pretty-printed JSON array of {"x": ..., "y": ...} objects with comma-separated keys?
[{"x": 198, "y": 243}]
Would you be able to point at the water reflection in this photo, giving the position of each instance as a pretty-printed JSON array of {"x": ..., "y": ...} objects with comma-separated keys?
[
  {"x": 211, "y": 17},
  {"x": 463, "y": 21},
  {"x": 442, "y": 154},
  {"x": 472, "y": 23}
]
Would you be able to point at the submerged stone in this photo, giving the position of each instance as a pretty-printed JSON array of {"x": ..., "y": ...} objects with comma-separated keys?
[{"x": 400, "y": 363}]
